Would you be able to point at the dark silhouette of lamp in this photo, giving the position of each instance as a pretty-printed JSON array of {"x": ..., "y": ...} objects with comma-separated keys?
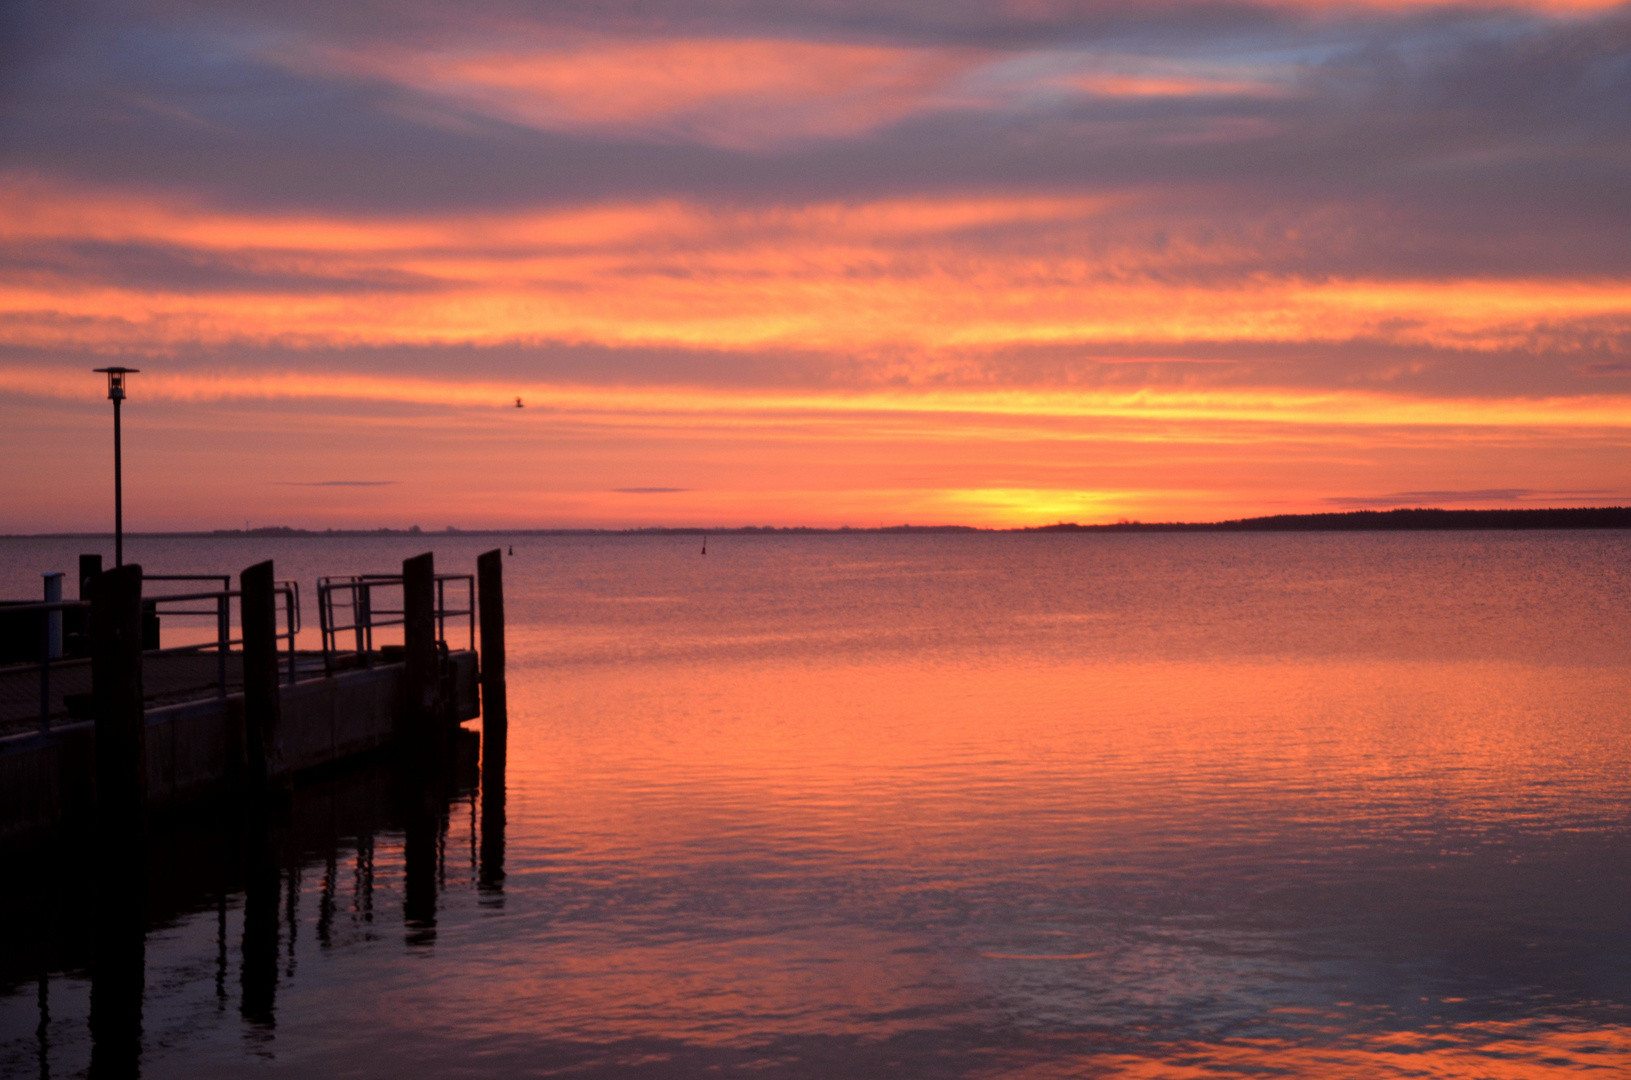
[{"x": 116, "y": 394}]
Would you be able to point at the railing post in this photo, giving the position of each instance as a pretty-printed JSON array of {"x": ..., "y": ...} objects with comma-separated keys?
[
  {"x": 257, "y": 607},
  {"x": 50, "y": 645},
  {"x": 116, "y": 687},
  {"x": 53, "y": 619},
  {"x": 423, "y": 668},
  {"x": 362, "y": 613},
  {"x": 325, "y": 626},
  {"x": 289, "y": 613},
  {"x": 494, "y": 699},
  {"x": 223, "y": 640},
  {"x": 45, "y": 671}
]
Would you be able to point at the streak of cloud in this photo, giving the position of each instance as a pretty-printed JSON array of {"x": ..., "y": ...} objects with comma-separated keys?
[{"x": 1480, "y": 496}]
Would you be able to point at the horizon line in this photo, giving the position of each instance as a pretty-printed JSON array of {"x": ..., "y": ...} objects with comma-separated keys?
[{"x": 1410, "y": 518}]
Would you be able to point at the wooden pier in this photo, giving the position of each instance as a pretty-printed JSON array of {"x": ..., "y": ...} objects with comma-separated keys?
[{"x": 133, "y": 728}]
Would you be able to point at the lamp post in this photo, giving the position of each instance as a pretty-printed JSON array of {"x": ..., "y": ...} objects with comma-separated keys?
[{"x": 116, "y": 394}]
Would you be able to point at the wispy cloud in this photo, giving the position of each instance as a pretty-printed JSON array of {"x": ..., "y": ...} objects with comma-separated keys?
[{"x": 1481, "y": 496}]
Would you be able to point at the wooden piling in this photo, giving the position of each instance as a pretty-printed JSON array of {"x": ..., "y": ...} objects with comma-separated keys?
[
  {"x": 116, "y": 688},
  {"x": 118, "y": 977},
  {"x": 423, "y": 676},
  {"x": 263, "y": 698},
  {"x": 494, "y": 699}
]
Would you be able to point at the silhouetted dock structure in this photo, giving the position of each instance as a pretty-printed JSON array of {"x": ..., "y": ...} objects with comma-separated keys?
[{"x": 97, "y": 721}]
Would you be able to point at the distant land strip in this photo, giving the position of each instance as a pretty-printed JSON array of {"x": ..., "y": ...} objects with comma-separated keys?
[{"x": 1593, "y": 517}]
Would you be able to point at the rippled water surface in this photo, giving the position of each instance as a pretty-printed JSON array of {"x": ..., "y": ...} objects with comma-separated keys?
[{"x": 928, "y": 805}]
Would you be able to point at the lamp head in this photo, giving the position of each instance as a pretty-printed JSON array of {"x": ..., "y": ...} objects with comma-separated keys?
[{"x": 116, "y": 380}]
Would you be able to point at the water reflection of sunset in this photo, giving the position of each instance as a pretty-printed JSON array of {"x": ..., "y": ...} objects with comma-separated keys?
[
  {"x": 971, "y": 804},
  {"x": 1262, "y": 843}
]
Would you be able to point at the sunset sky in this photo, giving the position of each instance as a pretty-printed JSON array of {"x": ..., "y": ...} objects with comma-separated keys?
[{"x": 816, "y": 262}]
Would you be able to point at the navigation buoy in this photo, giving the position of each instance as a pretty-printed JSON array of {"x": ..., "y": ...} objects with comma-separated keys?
[
  {"x": 518, "y": 404},
  {"x": 705, "y": 543}
]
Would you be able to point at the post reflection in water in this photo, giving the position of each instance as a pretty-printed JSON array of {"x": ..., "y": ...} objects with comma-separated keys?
[
  {"x": 221, "y": 951},
  {"x": 291, "y": 916},
  {"x": 421, "y": 831},
  {"x": 259, "y": 962},
  {"x": 362, "y": 880},
  {"x": 325, "y": 901},
  {"x": 42, "y": 1029},
  {"x": 119, "y": 952},
  {"x": 490, "y": 878}
]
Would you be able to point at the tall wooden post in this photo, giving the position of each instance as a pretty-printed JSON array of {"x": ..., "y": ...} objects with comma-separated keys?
[
  {"x": 423, "y": 675},
  {"x": 494, "y": 703},
  {"x": 118, "y": 977},
  {"x": 495, "y": 725},
  {"x": 263, "y": 705},
  {"x": 116, "y": 688}
]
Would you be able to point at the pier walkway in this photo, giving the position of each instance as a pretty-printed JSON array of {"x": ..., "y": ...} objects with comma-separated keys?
[{"x": 230, "y": 713}]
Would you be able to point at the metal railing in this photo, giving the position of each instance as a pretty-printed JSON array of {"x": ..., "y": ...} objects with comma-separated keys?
[
  {"x": 221, "y": 611},
  {"x": 47, "y": 627},
  {"x": 216, "y": 605},
  {"x": 346, "y": 605}
]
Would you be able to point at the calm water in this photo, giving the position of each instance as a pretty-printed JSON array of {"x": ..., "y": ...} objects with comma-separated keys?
[{"x": 1038, "y": 806}]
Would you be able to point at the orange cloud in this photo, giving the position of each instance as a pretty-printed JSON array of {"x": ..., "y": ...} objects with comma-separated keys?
[
  {"x": 1172, "y": 86},
  {"x": 901, "y": 273},
  {"x": 681, "y": 406},
  {"x": 1547, "y": 7},
  {"x": 729, "y": 92}
]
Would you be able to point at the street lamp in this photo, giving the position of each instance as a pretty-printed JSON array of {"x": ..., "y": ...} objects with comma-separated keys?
[{"x": 116, "y": 394}]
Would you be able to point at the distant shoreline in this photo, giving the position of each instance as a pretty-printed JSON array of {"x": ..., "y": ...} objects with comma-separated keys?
[{"x": 1412, "y": 520}]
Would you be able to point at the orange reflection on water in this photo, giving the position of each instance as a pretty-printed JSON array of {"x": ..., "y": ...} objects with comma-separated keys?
[{"x": 1488, "y": 1051}]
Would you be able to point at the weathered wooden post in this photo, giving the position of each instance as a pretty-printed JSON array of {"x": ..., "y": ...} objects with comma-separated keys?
[
  {"x": 77, "y": 623},
  {"x": 423, "y": 674},
  {"x": 263, "y": 705},
  {"x": 494, "y": 699},
  {"x": 495, "y": 724},
  {"x": 116, "y": 689},
  {"x": 118, "y": 976}
]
